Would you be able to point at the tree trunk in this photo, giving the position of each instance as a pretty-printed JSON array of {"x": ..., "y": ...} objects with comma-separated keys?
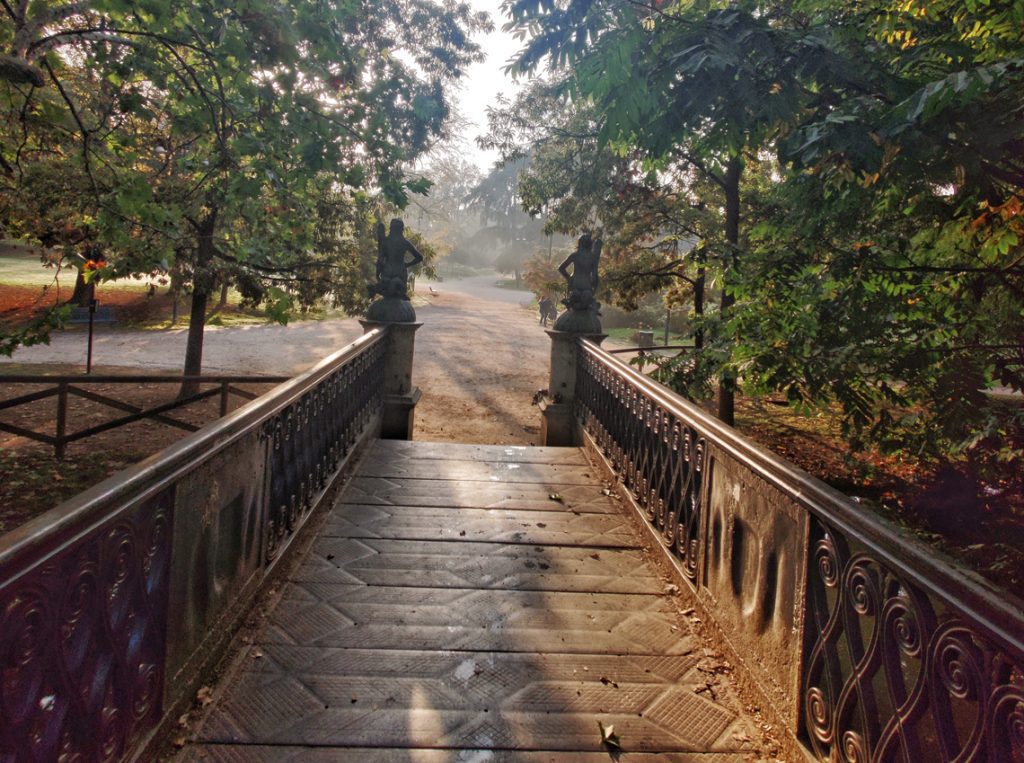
[
  {"x": 201, "y": 287},
  {"x": 83, "y": 291},
  {"x": 175, "y": 296},
  {"x": 176, "y": 288},
  {"x": 727, "y": 381},
  {"x": 222, "y": 300},
  {"x": 698, "y": 299}
]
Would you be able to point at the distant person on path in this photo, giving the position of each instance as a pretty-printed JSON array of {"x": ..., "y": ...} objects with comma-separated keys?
[{"x": 546, "y": 308}]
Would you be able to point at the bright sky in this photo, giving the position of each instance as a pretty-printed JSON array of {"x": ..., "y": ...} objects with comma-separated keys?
[{"x": 486, "y": 80}]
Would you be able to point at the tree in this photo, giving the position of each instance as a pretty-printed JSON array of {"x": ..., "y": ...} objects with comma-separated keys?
[
  {"x": 655, "y": 220},
  {"x": 877, "y": 261},
  {"x": 443, "y": 215},
  {"x": 507, "y": 230},
  {"x": 701, "y": 85},
  {"x": 216, "y": 132},
  {"x": 901, "y": 222}
]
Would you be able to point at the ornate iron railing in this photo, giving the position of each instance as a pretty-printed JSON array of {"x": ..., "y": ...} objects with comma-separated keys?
[
  {"x": 870, "y": 646},
  {"x": 112, "y": 602}
]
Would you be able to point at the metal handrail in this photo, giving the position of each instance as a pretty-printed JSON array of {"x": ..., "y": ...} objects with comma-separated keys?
[
  {"x": 649, "y": 348},
  {"x": 867, "y": 643},
  {"x": 1001, "y": 612},
  {"x": 152, "y": 473},
  {"x": 66, "y": 385},
  {"x": 113, "y": 604},
  {"x": 140, "y": 378}
]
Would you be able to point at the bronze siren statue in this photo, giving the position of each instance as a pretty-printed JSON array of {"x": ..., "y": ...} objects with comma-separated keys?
[
  {"x": 583, "y": 315},
  {"x": 393, "y": 275}
]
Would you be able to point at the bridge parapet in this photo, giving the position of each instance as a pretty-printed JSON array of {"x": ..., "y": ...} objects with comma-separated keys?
[
  {"x": 112, "y": 604},
  {"x": 868, "y": 645}
]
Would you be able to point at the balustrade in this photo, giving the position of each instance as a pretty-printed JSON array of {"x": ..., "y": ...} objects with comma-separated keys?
[
  {"x": 870, "y": 646},
  {"x": 113, "y": 603}
]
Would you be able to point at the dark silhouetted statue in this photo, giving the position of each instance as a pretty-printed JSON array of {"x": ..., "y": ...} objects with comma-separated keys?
[
  {"x": 393, "y": 275},
  {"x": 583, "y": 310}
]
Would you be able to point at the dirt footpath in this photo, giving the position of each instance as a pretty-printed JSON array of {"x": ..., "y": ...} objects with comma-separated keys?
[
  {"x": 480, "y": 357},
  {"x": 479, "y": 362}
]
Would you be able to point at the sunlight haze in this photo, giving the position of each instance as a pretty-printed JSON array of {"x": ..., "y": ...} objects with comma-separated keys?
[{"x": 486, "y": 81}]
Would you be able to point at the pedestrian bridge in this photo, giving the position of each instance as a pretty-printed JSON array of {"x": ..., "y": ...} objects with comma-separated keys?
[{"x": 298, "y": 582}]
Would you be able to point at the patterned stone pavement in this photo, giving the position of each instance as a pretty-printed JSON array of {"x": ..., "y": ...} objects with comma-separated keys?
[{"x": 452, "y": 610}]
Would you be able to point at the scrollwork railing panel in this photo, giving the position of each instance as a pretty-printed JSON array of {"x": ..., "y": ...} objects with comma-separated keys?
[
  {"x": 658, "y": 455},
  {"x": 82, "y": 641},
  {"x": 904, "y": 657},
  {"x": 948, "y": 690},
  {"x": 311, "y": 436}
]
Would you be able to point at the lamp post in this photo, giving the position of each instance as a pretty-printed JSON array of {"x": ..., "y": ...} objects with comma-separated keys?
[{"x": 92, "y": 317}]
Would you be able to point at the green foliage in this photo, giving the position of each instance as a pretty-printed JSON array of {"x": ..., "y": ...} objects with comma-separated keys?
[
  {"x": 202, "y": 136},
  {"x": 442, "y": 215},
  {"x": 872, "y": 155},
  {"x": 36, "y": 332},
  {"x": 507, "y": 231}
]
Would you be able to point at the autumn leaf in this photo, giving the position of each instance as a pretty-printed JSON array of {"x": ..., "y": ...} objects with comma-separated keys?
[{"x": 608, "y": 736}]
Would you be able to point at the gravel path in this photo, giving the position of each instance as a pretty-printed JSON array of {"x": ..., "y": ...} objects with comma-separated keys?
[{"x": 480, "y": 356}]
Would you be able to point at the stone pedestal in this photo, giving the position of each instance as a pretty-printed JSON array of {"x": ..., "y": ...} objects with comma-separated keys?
[
  {"x": 400, "y": 396},
  {"x": 558, "y": 424},
  {"x": 391, "y": 310}
]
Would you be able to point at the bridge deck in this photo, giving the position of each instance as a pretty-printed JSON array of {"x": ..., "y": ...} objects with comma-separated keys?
[{"x": 452, "y": 608}]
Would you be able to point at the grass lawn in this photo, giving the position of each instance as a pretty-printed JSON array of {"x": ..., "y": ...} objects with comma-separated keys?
[
  {"x": 23, "y": 266},
  {"x": 510, "y": 283},
  {"x": 28, "y": 285},
  {"x": 628, "y": 336}
]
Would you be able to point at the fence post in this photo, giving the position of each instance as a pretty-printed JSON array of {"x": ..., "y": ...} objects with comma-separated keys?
[
  {"x": 62, "y": 418},
  {"x": 224, "y": 393}
]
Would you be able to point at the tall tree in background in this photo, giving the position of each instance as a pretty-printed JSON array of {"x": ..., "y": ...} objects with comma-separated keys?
[
  {"x": 443, "y": 215},
  {"x": 507, "y": 230}
]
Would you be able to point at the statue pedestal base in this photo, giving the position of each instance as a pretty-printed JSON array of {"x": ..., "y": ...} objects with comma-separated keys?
[
  {"x": 400, "y": 396},
  {"x": 579, "y": 321},
  {"x": 559, "y": 426},
  {"x": 399, "y": 415},
  {"x": 391, "y": 310}
]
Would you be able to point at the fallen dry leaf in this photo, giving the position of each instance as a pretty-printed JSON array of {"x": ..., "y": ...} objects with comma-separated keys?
[{"x": 608, "y": 736}]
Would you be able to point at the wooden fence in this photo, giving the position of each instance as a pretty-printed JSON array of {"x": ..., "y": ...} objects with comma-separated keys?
[{"x": 66, "y": 387}]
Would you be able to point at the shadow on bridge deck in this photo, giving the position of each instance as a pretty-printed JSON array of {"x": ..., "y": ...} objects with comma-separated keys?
[{"x": 476, "y": 603}]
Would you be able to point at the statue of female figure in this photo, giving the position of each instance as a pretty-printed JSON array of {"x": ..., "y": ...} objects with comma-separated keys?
[
  {"x": 584, "y": 279},
  {"x": 583, "y": 315},
  {"x": 392, "y": 265}
]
